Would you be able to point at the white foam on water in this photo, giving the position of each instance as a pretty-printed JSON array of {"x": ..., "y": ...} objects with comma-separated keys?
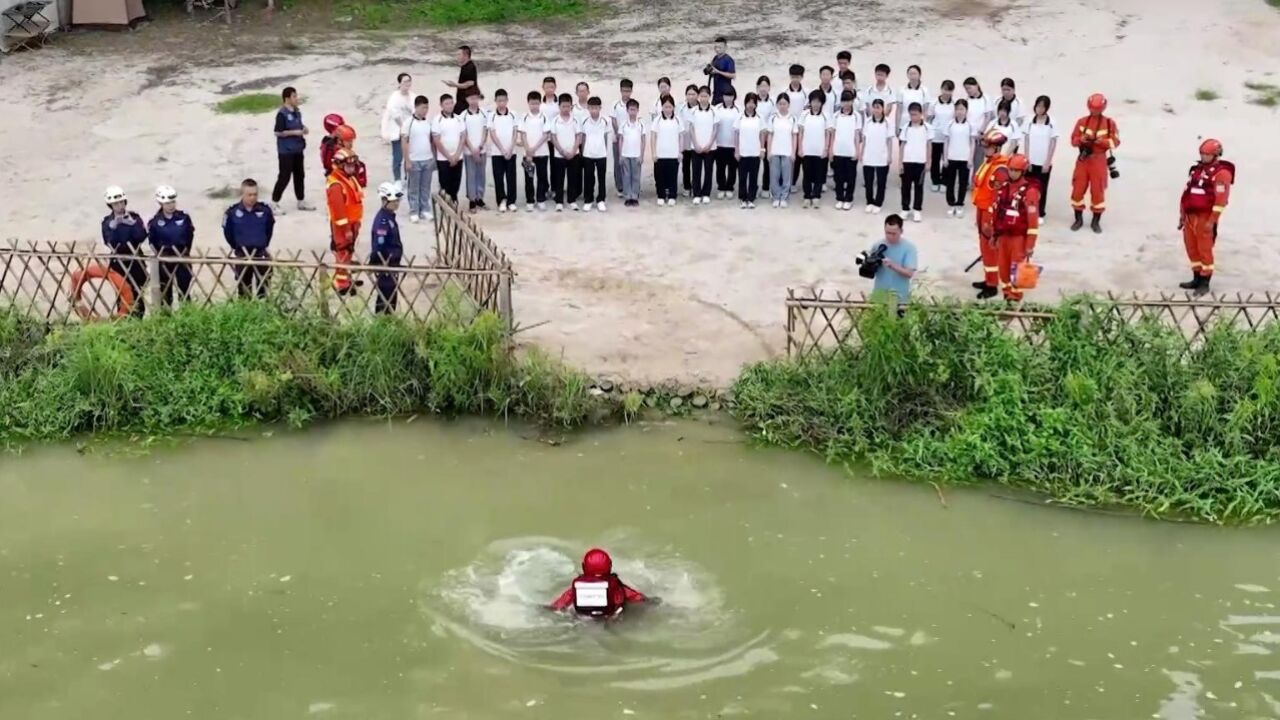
[
  {"x": 890, "y": 631},
  {"x": 744, "y": 664},
  {"x": 1252, "y": 620},
  {"x": 920, "y": 637},
  {"x": 1004, "y": 674},
  {"x": 854, "y": 640},
  {"x": 1266, "y": 675},
  {"x": 1250, "y": 649},
  {"x": 1252, "y": 588},
  {"x": 1267, "y": 637},
  {"x": 153, "y": 651},
  {"x": 830, "y": 675},
  {"x": 316, "y": 708},
  {"x": 108, "y": 665}
]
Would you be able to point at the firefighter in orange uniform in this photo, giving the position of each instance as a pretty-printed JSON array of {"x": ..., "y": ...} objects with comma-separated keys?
[
  {"x": 985, "y": 186},
  {"x": 1095, "y": 135},
  {"x": 346, "y": 210},
  {"x": 1205, "y": 197},
  {"x": 1015, "y": 223}
]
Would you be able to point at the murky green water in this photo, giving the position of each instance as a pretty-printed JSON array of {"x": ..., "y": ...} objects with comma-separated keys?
[{"x": 373, "y": 571}]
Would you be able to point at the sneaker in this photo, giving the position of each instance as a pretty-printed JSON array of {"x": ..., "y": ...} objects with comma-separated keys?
[
  {"x": 427, "y": 216},
  {"x": 600, "y": 206},
  {"x": 413, "y": 217},
  {"x": 542, "y": 206},
  {"x": 559, "y": 207},
  {"x": 661, "y": 202},
  {"x": 916, "y": 216},
  {"x": 528, "y": 207},
  {"x": 511, "y": 207},
  {"x": 502, "y": 208},
  {"x": 875, "y": 209},
  {"x": 937, "y": 188},
  {"x": 574, "y": 207},
  {"x": 620, "y": 195},
  {"x": 784, "y": 203},
  {"x": 817, "y": 203},
  {"x": 305, "y": 206},
  {"x": 777, "y": 203},
  {"x": 743, "y": 205},
  {"x": 751, "y": 206},
  {"x": 807, "y": 204},
  {"x": 586, "y": 207},
  {"x": 870, "y": 209},
  {"x": 275, "y": 208}
]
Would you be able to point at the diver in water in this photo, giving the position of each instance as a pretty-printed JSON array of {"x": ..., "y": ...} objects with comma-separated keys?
[{"x": 598, "y": 592}]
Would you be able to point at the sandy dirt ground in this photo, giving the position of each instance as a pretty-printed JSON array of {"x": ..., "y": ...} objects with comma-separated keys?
[{"x": 683, "y": 292}]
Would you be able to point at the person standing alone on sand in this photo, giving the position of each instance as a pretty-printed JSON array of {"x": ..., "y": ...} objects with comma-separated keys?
[
  {"x": 468, "y": 83},
  {"x": 721, "y": 71},
  {"x": 394, "y": 117},
  {"x": 291, "y": 146}
]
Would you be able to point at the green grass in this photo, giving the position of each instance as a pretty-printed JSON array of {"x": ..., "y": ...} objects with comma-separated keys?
[
  {"x": 249, "y": 104},
  {"x": 1274, "y": 3},
  {"x": 1206, "y": 95},
  {"x": 1102, "y": 413},
  {"x": 400, "y": 14},
  {"x": 1268, "y": 94}
]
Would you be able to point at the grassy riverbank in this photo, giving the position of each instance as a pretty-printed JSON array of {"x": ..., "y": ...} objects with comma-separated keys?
[
  {"x": 208, "y": 368},
  {"x": 1102, "y": 413}
]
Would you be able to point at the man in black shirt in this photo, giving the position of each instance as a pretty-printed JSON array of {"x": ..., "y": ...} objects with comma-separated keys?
[{"x": 467, "y": 84}]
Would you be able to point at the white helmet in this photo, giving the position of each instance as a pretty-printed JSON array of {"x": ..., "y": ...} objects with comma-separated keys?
[
  {"x": 166, "y": 194},
  {"x": 390, "y": 191},
  {"x": 114, "y": 194}
]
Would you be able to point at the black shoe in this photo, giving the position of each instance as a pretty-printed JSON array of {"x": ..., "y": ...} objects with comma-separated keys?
[
  {"x": 979, "y": 285},
  {"x": 987, "y": 292},
  {"x": 1096, "y": 225},
  {"x": 1191, "y": 284},
  {"x": 1079, "y": 222},
  {"x": 480, "y": 204},
  {"x": 471, "y": 204},
  {"x": 1203, "y": 288}
]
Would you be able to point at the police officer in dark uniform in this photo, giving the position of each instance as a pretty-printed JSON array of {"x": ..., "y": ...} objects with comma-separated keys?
[
  {"x": 171, "y": 232},
  {"x": 124, "y": 231},
  {"x": 248, "y": 226},
  {"x": 387, "y": 248}
]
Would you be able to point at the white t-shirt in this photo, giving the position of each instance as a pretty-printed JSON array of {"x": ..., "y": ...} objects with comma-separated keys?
[
  {"x": 847, "y": 129},
  {"x": 597, "y": 135},
  {"x": 668, "y": 136},
  {"x": 702, "y": 127},
  {"x": 782, "y": 131},
  {"x": 981, "y": 110},
  {"x": 685, "y": 114},
  {"x": 656, "y": 112},
  {"x": 875, "y": 152},
  {"x": 502, "y": 128},
  {"x": 580, "y": 112},
  {"x": 915, "y": 142},
  {"x": 1016, "y": 112},
  {"x": 725, "y": 119},
  {"x": 450, "y": 131},
  {"x": 958, "y": 134},
  {"x": 748, "y": 129},
  {"x": 476, "y": 123},
  {"x": 619, "y": 114},
  {"x": 799, "y": 99},
  {"x": 813, "y": 139},
  {"x": 940, "y": 115},
  {"x": 887, "y": 94},
  {"x": 565, "y": 131},
  {"x": 766, "y": 109},
  {"x": 1039, "y": 136},
  {"x": 1010, "y": 131},
  {"x": 396, "y": 115},
  {"x": 419, "y": 134},
  {"x": 534, "y": 127},
  {"x": 830, "y": 100},
  {"x": 549, "y": 109},
  {"x": 631, "y": 134},
  {"x": 908, "y": 96}
]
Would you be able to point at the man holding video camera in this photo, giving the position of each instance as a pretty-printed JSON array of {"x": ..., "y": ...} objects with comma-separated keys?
[
  {"x": 720, "y": 70},
  {"x": 891, "y": 261},
  {"x": 1094, "y": 136}
]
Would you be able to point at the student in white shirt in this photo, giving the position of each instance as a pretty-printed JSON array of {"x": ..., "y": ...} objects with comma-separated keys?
[
  {"x": 914, "y": 157},
  {"x": 957, "y": 149},
  {"x": 939, "y": 114},
  {"x": 631, "y": 136},
  {"x": 537, "y": 149},
  {"x": 1009, "y": 91},
  {"x": 830, "y": 93},
  {"x": 765, "y": 108},
  {"x": 582, "y": 91},
  {"x": 597, "y": 137},
  {"x": 877, "y": 150},
  {"x": 1041, "y": 142},
  {"x": 664, "y": 89},
  {"x": 846, "y": 138},
  {"x": 619, "y": 115},
  {"x": 447, "y": 132},
  {"x": 781, "y": 150},
  {"x": 981, "y": 112},
  {"x": 815, "y": 148},
  {"x": 550, "y": 105},
  {"x": 1006, "y": 126},
  {"x": 702, "y": 138},
  {"x": 566, "y": 163},
  {"x": 799, "y": 99},
  {"x": 881, "y": 91},
  {"x": 747, "y": 129},
  {"x": 727, "y": 114},
  {"x": 914, "y": 92},
  {"x": 849, "y": 81},
  {"x": 419, "y": 159},
  {"x": 667, "y": 136},
  {"x": 477, "y": 122},
  {"x": 502, "y": 152},
  {"x": 685, "y": 113}
]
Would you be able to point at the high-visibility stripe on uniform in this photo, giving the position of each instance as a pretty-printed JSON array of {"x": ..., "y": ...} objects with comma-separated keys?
[
  {"x": 341, "y": 222},
  {"x": 1033, "y": 231},
  {"x": 1219, "y": 208}
]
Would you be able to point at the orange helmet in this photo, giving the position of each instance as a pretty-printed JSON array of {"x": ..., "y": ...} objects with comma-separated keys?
[
  {"x": 597, "y": 562},
  {"x": 1019, "y": 162},
  {"x": 345, "y": 133},
  {"x": 343, "y": 155},
  {"x": 995, "y": 138},
  {"x": 1211, "y": 147},
  {"x": 1097, "y": 101}
]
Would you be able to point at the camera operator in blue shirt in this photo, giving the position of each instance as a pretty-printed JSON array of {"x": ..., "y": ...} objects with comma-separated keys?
[{"x": 891, "y": 261}]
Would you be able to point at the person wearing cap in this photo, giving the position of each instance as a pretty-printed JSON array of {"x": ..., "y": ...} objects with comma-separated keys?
[
  {"x": 171, "y": 232},
  {"x": 721, "y": 70},
  {"x": 248, "y": 227},
  {"x": 386, "y": 250},
  {"x": 123, "y": 232}
]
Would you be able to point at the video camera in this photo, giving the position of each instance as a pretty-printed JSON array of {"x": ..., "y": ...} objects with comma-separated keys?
[
  {"x": 870, "y": 263},
  {"x": 1111, "y": 167},
  {"x": 708, "y": 70}
]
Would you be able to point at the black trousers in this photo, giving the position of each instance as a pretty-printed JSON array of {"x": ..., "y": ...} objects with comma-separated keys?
[
  {"x": 535, "y": 185},
  {"x": 450, "y": 178},
  {"x": 956, "y": 178},
  {"x": 846, "y": 172},
  {"x": 252, "y": 280},
  {"x": 134, "y": 273},
  {"x": 795, "y": 171},
  {"x": 173, "y": 276},
  {"x": 748, "y": 178},
  {"x": 764, "y": 168},
  {"x": 703, "y": 168},
  {"x": 594, "y": 188},
  {"x": 1041, "y": 174},
  {"x": 566, "y": 179},
  {"x": 873, "y": 181},
  {"x": 686, "y": 169},
  {"x": 935, "y": 164},
  {"x": 815, "y": 175},
  {"x": 726, "y": 169},
  {"x": 504, "y": 179},
  {"x": 291, "y": 165},
  {"x": 665, "y": 178},
  {"x": 912, "y": 186}
]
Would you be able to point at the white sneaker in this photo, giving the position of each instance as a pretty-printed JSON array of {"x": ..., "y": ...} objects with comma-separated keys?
[
  {"x": 751, "y": 206},
  {"x": 305, "y": 206},
  {"x": 619, "y": 193},
  {"x": 502, "y": 208},
  {"x": 511, "y": 207},
  {"x": 875, "y": 209},
  {"x": 413, "y": 217},
  {"x": 559, "y": 207},
  {"x": 542, "y": 206},
  {"x": 600, "y": 206},
  {"x": 743, "y": 205},
  {"x": 870, "y": 209},
  {"x": 916, "y": 216},
  {"x": 661, "y": 202},
  {"x": 427, "y": 216},
  {"x": 574, "y": 207},
  {"x": 528, "y": 207},
  {"x": 275, "y": 208},
  {"x": 586, "y": 207},
  {"x": 777, "y": 203},
  {"x": 784, "y": 203},
  {"x": 817, "y": 204}
]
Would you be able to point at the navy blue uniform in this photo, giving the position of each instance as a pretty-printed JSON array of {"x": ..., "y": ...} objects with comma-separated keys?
[
  {"x": 387, "y": 252},
  {"x": 124, "y": 236},
  {"x": 172, "y": 237},
  {"x": 248, "y": 232}
]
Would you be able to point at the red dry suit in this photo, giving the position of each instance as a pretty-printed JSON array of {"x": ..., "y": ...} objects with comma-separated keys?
[{"x": 597, "y": 592}]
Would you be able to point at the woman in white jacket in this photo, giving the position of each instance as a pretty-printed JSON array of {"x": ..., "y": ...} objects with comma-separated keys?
[{"x": 398, "y": 111}]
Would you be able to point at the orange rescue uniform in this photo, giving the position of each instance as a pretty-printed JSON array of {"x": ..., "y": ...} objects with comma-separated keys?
[
  {"x": 346, "y": 210},
  {"x": 1203, "y": 201},
  {"x": 1016, "y": 226},
  {"x": 1097, "y": 134},
  {"x": 984, "y": 199}
]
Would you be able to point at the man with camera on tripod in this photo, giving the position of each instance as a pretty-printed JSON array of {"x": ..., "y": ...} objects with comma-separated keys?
[
  {"x": 891, "y": 262},
  {"x": 1095, "y": 136}
]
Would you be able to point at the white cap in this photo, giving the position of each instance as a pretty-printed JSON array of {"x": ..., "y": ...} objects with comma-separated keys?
[
  {"x": 166, "y": 194},
  {"x": 390, "y": 191},
  {"x": 114, "y": 194}
]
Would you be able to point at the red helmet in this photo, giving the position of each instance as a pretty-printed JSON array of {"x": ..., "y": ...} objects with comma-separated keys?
[
  {"x": 345, "y": 133},
  {"x": 342, "y": 155},
  {"x": 1211, "y": 147},
  {"x": 1097, "y": 101},
  {"x": 597, "y": 562},
  {"x": 1019, "y": 162},
  {"x": 332, "y": 121},
  {"x": 995, "y": 138}
]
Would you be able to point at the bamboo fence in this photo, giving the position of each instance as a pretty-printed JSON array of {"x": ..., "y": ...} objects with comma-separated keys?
[{"x": 820, "y": 322}]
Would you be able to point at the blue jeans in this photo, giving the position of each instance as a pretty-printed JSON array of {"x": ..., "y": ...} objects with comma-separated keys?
[
  {"x": 419, "y": 192},
  {"x": 475, "y": 175},
  {"x": 397, "y": 160},
  {"x": 780, "y": 176}
]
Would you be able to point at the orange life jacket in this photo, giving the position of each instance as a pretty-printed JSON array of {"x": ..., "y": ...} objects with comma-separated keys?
[
  {"x": 984, "y": 187},
  {"x": 347, "y": 209}
]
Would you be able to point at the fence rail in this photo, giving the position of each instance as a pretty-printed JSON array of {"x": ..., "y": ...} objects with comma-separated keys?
[
  {"x": 462, "y": 245},
  {"x": 819, "y": 322}
]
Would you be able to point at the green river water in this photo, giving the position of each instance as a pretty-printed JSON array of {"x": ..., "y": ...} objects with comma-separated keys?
[{"x": 379, "y": 570}]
